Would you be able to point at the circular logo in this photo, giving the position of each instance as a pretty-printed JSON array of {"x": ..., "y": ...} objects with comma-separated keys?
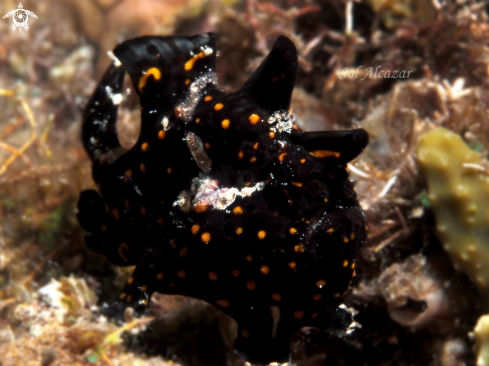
[{"x": 20, "y": 18}]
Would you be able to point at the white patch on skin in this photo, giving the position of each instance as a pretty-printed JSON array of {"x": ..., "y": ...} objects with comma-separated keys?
[
  {"x": 165, "y": 122},
  {"x": 281, "y": 143},
  {"x": 207, "y": 50},
  {"x": 353, "y": 326},
  {"x": 187, "y": 106},
  {"x": 117, "y": 62},
  {"x": 207, "y": 192},
  {"x": 115, "y": 98},
  {"x": 281, "y": 121}
]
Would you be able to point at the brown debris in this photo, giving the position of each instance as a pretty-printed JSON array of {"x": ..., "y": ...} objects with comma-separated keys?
[{"x": 49, "y": 73}]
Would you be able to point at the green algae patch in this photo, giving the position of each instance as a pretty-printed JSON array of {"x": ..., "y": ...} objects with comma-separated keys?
[{"x": 457, "y": 179}]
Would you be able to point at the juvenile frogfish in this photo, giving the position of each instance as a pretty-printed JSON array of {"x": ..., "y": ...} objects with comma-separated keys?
[{"x": 223, "y": 197}]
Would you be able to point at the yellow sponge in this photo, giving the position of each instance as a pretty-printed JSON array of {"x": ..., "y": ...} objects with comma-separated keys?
[
  {"x": 458, "y": 190},
  {"x": 481, "y": 332}
]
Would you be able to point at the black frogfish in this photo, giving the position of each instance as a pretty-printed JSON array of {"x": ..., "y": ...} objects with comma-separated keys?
[{"x": 223, "y": 197}]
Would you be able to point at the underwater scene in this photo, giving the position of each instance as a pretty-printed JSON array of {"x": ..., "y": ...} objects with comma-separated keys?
[{"x": 244, "y": 182}]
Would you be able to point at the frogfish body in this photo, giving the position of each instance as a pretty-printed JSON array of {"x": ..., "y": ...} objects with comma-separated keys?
[{"x": 222, "y": 198}]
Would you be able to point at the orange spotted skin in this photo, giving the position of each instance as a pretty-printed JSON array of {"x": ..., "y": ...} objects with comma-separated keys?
[{"x": 272, "y": 257}]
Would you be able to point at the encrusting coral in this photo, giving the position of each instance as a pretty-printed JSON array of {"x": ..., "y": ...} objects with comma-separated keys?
[{"x": 458, "y": 183}]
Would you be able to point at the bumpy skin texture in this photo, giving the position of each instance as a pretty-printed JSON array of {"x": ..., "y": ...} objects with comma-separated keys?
[{"x": 223, "y": 198}]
